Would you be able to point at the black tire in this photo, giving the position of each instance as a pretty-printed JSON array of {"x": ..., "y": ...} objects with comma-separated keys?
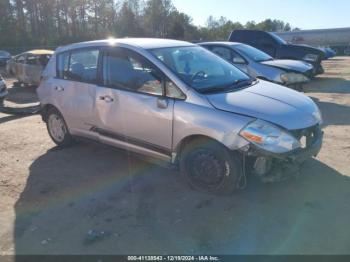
[
  {"x": 59, "y": 135},
  {"x": 210, "y": 167}
]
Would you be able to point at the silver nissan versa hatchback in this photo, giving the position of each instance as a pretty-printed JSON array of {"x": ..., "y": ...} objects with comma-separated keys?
[{"x": 180, "y": 103}]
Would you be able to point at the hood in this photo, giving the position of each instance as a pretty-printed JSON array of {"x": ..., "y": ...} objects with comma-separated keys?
[
  {"x": 290, "y": 65},
  {"x": 306, "y": 49},
  {"x": 270, "y": 102}
]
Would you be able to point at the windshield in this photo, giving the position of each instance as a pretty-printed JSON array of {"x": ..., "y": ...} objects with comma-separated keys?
[
  {"x": 4, "y": 54},
  {"x": 278, "y": 39},
  {"x": 253, "y": 53},
  {"x": 201, "y": 69}
]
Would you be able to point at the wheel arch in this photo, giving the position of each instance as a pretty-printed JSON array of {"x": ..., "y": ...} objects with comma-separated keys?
[
  {"x": 188, "y": 139},
  {"x": 45, "y": 109}
]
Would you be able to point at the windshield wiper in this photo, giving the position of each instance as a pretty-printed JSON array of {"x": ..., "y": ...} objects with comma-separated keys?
[{"x": 239, "y": 83}]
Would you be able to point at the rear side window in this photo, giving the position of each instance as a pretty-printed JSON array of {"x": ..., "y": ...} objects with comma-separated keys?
[
  {"x": 62, "y": 65},
  {"x": 80, "y": 65},
  {"x": 21, "y": 59},
  {"x": 32, "y": 60}
]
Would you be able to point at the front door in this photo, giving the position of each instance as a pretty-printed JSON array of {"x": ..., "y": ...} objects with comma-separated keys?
[{"x": 131, "y": 104}]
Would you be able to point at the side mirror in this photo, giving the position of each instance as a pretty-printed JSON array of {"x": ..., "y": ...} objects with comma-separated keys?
[{"x": 162, "y": 102}]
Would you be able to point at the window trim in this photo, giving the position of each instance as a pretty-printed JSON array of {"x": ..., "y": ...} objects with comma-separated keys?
[
  {"x": 81, "y": 49},
  {"x": 237, "y": 53},
  {"x": 164, "y": 78}
]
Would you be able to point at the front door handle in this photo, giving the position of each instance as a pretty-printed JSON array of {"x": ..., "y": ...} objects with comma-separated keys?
[
  {"x": 59, "y": 88},
  {"x": 107, "y": 99}
]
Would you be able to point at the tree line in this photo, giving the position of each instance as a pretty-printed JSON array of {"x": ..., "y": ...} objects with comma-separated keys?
[{"x": 49, "y": 23}]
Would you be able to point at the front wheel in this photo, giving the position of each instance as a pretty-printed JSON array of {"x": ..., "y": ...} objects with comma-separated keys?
[
  {"x": 210, "y": 167},
  {"x": 57, "y": 128}
]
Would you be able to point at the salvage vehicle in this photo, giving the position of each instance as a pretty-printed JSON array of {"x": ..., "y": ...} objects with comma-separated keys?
[
  {"x": 28, "y": 67},
  {"x": 291, "y": 73},
  {"x": 329, "y": 52},
  {"x": 276, "y": 47},
  {"x": 4, "y": 57},
  {"x": 180, "y": 103},
  {"x": 3, "y": 90}
]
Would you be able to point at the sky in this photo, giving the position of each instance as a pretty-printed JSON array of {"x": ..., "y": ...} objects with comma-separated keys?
[{"x": 305, "y": 14}]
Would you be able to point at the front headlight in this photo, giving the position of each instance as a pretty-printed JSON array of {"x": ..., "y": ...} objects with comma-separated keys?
[
  {"x": 292, "y": 78},
  {"x": 318, "y": 115},
  {"x": 310, "y": 57},
  {"x": 269, "y": 137}
]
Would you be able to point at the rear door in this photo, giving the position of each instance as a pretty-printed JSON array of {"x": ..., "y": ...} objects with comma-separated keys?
[
  {"x": 131, "y": 102},
  {"x": 75, "y": 88}
]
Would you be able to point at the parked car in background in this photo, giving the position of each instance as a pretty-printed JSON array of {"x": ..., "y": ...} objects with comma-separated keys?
[
  {"x": 291, "y": 73},
  {"x": 178, "y": 102},
  {"x": 276, "y": 47},
  {"x": 3, "y": 90},
  {"x": 4, "y": 57},
  {"x": 28, "y": 67},
  {"x": 328, "y": 51}
]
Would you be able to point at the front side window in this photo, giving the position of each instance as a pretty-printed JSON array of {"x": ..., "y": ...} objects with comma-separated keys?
[
  {"x": 201, "y": 69},
  {"x": 127, "y": 70},
  {"x": 278, "y": 39},
  {"x": 253, "y": 53},
  {"x": 223, "y": 52}
]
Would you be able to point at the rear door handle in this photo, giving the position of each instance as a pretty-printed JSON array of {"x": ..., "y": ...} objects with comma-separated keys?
[
  {"x": 107, "y": 99},
  {"x": 59, "y": 88}
]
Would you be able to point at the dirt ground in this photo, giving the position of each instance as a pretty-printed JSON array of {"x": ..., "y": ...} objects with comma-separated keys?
[{"x": 90, "y": 199}]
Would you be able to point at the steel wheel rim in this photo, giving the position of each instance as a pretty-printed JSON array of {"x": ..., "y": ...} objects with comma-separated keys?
[
  {"x": 206, "y": 170},
  {"x": 57, "y": 127}
]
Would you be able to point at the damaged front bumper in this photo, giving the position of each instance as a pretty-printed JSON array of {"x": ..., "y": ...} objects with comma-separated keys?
[{"x": 272, "y": 167}]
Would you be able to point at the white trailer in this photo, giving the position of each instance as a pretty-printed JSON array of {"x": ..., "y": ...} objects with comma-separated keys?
[{"x": 336, "y": 38}]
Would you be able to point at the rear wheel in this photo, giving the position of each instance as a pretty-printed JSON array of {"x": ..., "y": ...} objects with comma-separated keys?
[
  {"x": 210, "y": 167},
  {"x": 57, "y": 128}
]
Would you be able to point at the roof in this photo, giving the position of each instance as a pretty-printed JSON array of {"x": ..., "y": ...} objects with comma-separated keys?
[
  {"x": 145, "y": 43},
  {"x": 40, "y": 52},
  {"x": 221, "y": 43}
]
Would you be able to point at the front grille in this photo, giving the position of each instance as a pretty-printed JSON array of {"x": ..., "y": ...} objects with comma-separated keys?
[{"x": 307, "y": 136}]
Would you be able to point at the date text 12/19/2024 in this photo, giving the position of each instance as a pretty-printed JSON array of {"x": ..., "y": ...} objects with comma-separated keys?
[{"x": 173, "y": 258}]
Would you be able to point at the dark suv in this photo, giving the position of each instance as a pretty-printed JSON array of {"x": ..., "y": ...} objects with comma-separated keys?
[{"x": 278, "y": 48}]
